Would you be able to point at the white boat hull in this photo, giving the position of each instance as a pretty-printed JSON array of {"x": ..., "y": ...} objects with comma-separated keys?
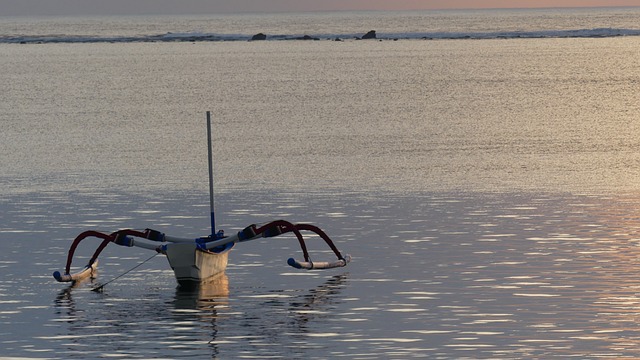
[{"x": 191, "y": 264}]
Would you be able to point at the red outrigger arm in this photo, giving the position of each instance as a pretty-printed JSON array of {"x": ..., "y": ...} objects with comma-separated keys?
[
  {"x": 279, "y": 227},
  {"x": 119, "y": 237},
  {"x": 106, "y": 240}
]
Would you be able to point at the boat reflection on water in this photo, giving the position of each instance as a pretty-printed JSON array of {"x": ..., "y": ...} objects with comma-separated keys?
[
  {"x": 318, "y": 298},
  {"x": 203, "y": 320},
  {"x": 317, "y": 305},
  {"x": 203, "y": 295}
]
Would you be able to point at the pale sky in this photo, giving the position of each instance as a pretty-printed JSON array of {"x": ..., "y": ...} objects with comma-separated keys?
[{"x": 137, "y": 7}]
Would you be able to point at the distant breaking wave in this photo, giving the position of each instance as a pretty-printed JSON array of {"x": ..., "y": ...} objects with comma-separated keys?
[{"x": 202, "y": 37}]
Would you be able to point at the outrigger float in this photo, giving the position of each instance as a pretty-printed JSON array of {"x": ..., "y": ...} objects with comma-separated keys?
[{"x": 197, "y": 260}]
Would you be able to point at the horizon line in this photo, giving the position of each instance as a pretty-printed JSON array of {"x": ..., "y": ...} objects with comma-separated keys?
[{"x": 249, "y": 12}]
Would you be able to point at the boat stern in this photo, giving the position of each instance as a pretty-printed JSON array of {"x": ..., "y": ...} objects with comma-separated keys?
[{"x": 191, "y": 264}]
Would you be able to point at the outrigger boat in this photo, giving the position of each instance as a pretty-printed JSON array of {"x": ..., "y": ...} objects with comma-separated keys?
[{"x": 201, "y": 259}]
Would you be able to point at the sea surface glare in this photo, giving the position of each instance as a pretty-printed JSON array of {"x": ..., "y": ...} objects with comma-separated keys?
[{"x": 480, "y": 166}]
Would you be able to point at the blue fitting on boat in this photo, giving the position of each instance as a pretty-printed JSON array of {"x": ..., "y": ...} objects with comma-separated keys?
[
  {"x": 155, "y": 235},
  {"x": 247, "y": 233},
  {"x": 202, "y": 240},
  {"x": 272, "y": 232},
  {"x": 201, "y": 246},
  {"x": 124, "y": 240}
]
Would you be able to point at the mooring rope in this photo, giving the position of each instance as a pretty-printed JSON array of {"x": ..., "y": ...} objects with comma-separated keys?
[{"x": 99, "y": 288}]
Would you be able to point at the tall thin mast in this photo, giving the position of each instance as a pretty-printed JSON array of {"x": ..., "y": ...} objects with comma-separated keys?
[{"x": 213, "y": 219}]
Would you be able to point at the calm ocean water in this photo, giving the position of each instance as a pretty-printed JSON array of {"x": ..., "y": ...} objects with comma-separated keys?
[{"x": 485, "y": 181}]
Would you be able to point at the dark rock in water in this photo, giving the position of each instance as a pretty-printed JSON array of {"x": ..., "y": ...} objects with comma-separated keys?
[
  {"x": 259, "y": 36},
  {"x": 306, "y": 37},
  {"x": 370, "y": 35},
  {"x": 338, "y": 39}
]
